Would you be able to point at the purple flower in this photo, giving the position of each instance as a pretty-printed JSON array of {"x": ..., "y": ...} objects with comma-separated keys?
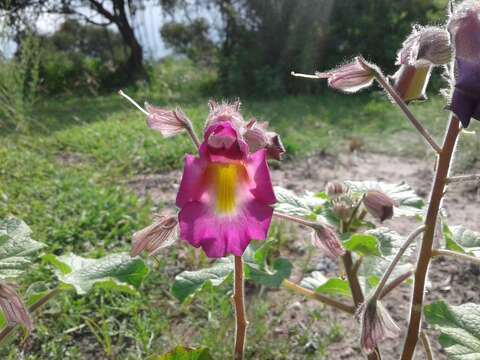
[
  {"x": 464, "y": 26},
  {"x": 226, "y": 194}
]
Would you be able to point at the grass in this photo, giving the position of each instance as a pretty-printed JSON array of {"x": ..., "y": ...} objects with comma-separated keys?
[{"x": 68, "y": 179}]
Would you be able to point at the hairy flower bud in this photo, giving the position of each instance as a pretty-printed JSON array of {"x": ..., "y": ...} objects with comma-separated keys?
[
  {"x": 162, "y": 233},
  {"x": 379, "y": 205},
  {"x": 13, "y": 307},
  {"x": 342, "y": 210},
  {"x": 350, "y": 77},
  {"x": 257, "y": 137},
  {"x": 169, "y": 123},
  {"x": 334, "y": 189},
  {"x": 426, "y": 46},
  {"x": 326, "y": 239},
  {"x": 376, "y": 325}
]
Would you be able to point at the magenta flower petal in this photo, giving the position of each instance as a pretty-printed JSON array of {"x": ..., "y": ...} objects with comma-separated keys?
[
  {"x": 191, "y": 186},
  {"x": 262, "y": 187},
  {"x": 223, "y": 144},
  {"x": 222, "y": 236}
]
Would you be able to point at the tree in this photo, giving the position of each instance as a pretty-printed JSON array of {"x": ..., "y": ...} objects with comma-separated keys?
[{"x": 116, "y": 12}]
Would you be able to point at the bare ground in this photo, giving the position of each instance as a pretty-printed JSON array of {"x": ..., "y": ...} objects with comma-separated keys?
[{"x": 449, "y": 279}]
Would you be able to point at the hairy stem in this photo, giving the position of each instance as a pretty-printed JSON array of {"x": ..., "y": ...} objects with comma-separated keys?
[
  {"x": 32, "y": 308},
  {"x": 240, "y": 318},
  {"x": 395, "y": 261},
  {"x": 319, "y": 297},
  {"x": 394, "y": 283},
  {"x": 423, "y": 262},
  {"x": 401, "y": 104},
  {"x": 456, "y": 255},
  {"x": 462, "y": 178},
  {"x": 426, "y": 345},
  {"x": 297, "y": 220}
]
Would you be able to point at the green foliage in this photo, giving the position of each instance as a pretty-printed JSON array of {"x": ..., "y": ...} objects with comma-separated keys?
[
  {"x": 329, "y": 286},
  {"x": 407, "y": 202},
  {"x": 188, "y": 283},
  {"x": 182, "y": 353},
  {"x": 364, "y": 245},
  {"x": 113, "y": 272},
  {"x": 16, "y": 248},
  {"x": 458, "y": 326},
  {"x": 291, "y": 204},
  {"x": 462, "y": 240}
]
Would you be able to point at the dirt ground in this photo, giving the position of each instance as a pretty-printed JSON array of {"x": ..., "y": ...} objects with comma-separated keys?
[{"x": 449, "y": 279}]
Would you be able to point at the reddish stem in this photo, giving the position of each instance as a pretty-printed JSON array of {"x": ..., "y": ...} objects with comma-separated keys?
[{"x": 444, "y": 160}]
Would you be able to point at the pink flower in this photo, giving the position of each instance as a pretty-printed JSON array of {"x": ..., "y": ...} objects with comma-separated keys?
[{"x": 226, "y": 194}]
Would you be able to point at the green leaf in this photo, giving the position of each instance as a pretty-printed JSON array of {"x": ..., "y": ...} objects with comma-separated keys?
[
  {"x": 388, "y": 244},
  {"x": 459, "y": 328},
  {"x": 118, "y": 272},
  {"x": 183, "y": 353},
  {"x": 362, "y": 244},
  {"x": 407, "y": 202},
  {"x": 291, "y": 204},
  {"x": 328, "y": 286},
  {"x": 282, "y": 268},
  {"x": 188, "y": 283},
  {"x": 17, "y": 248},
  {"x": 462, "y": 240}
]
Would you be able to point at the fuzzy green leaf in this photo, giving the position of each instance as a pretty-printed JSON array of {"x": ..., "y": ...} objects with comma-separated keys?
[
  {"x": 407, "y": 202},
  {"x": 462, "y": 240},
  {"x": 281, "y": 270},
  {"x": 188, "y": 283},
  {"x": 328, "y": 286},
  {"x": 17, "y": 248},
  {"x": 118, "y": 272},
  {"x": 362, "y": 244},
  {"x": 459, "y": 327},
  {"x": 291, "y": 204}
]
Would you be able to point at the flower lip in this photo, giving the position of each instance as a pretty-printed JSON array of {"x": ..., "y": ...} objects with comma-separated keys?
[{"x": 223, "y": 143}]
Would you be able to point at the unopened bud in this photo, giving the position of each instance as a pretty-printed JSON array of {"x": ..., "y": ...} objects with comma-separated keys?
[
  {"x": 169, "y": 123},
  {"x": 426, "y": 46},
  {"x": 334, "y": 189},
  {"x": 162, "y": 233},
  {"x": 326, "y": 239},
  {"x": 257, "y": 137},
  {"x": 411, "y": 82},
  {"x": 13, "y": 308},
  {"x": 350, "y": 77},
  {"x": 379, "y": 205},
  {"x": 342, "y": 210},
  {"x": 376, "y": 325}
]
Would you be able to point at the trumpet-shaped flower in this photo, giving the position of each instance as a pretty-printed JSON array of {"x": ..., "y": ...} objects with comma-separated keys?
[
  {"x": 226, "y": 194},
  {"x": 464, "y": 26}
]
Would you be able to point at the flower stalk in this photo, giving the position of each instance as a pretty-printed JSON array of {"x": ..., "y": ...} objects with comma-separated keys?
[
  {"x": 426, "y": 252},
  {"x": 455, "y": 255},
  {"x": 403, "y": 106},
  {"x": 319, "y": 297},
  {"x": 240, "y": 317}
]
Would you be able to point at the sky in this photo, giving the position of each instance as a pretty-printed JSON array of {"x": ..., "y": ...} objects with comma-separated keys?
[{"x": 147, "y": 23}]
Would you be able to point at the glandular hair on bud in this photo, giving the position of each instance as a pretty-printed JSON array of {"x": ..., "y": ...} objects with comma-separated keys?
[
  {"x": 326, "y": 239},
  {"x": 334, "y": 189},
  {"x": 379, "y": 205}
]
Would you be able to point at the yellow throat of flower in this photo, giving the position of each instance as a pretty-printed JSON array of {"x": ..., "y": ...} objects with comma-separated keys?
[{"x": 225, "y": 179}]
